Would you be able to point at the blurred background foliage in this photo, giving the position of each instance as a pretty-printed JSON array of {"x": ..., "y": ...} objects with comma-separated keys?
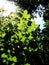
[
  {"x": 21, "y": 40},
  {"x": 15, "y": 34}
]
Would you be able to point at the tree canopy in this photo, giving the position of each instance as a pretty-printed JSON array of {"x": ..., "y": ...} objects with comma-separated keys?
[{"x": 21, "y": 40}]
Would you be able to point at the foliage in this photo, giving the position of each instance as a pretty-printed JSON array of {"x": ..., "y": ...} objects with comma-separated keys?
[
  {"x": 39, "y": 37},
  {"x": 31, "y": 5},
  {"x": 15, "y": 35},
  {"x": 20, "y": 42}
]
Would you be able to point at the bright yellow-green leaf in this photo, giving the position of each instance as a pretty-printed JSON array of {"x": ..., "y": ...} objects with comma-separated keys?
[
  {"x": 20, "y": 35},
  {"x": 23, "y": 38},
  {"x": 8, "y": 51},
  {"x": 10, "y": 58},
  {"x": 20, "y": 26},
  {"x": 26, "y": 15},
  {"x": 30, "y": 36},
  {"x": 30, "y": 29},
  {"x": 14, "y": 59},
  {"x": 2, "y": 34},
  {"x": 4, "y": 55}
]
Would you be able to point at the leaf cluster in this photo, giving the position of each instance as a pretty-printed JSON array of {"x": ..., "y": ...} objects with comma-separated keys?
[{"x": 15, "y": 34}]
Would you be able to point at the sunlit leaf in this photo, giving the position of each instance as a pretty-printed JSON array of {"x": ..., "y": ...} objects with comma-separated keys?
[
  {"x": 8, "y": 51},
  {"x": 2, "y": 49},
  {"x": 14, "y": 59},
  {"x": 4, "y": 55},
  {"x": 26, "y": 15},
  {"x": 30, "y": 36}
]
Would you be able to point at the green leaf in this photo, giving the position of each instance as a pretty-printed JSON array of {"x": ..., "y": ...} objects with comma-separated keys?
[
  {"x": 14, "y": 59},
  {"x": 30, "y": 49},
  {"x": 26, "y": 15},
  {"x": 35, "y": 49},
  {"x": 13, "y": 64},
  {"x": 2, "y": 34},
  {"x": 4, "y": 60},
  {"x": 10, "y": 58},
  {"x": 25, "y": 48},
  {"x": 27, "y": 64},
  {"x": 2, "y": 49},
  {"x": 20, "y": 26},
  {"x": 1, "y": 44},
  {"x": 8, "y": 51},
  {"x": 32, "y": 27},
  {"x": 23, "y": 39},
  {"x": 30, "y": 36},
  {"x": 19, "y": 34},
  {"x": 4, "y": 55}
]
